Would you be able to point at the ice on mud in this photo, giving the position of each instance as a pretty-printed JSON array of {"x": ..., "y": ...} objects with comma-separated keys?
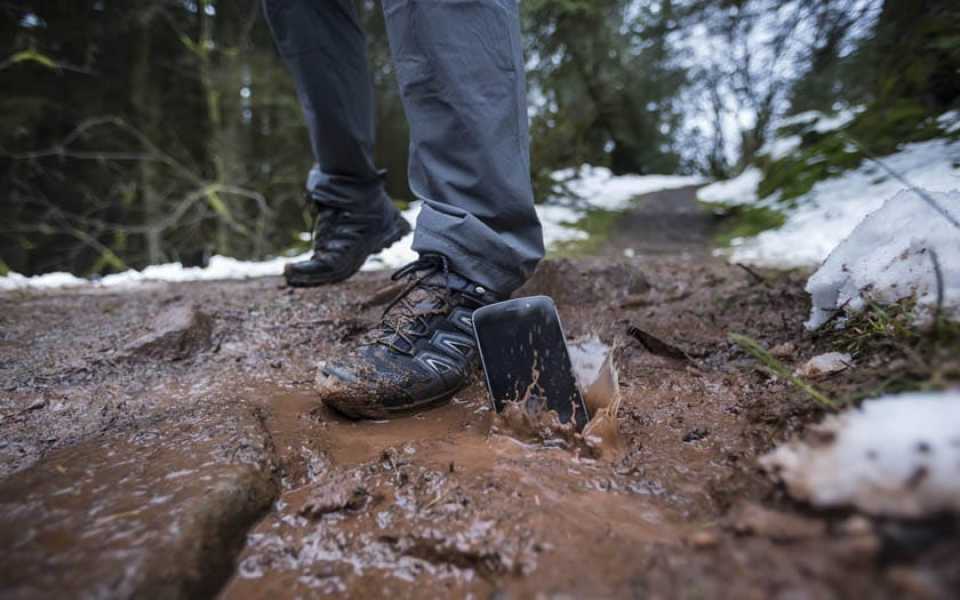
[
  {"x": 889, "y": 257},
  {"x": 895, "y": 456}
]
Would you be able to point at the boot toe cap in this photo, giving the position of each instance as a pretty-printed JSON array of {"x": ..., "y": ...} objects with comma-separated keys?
[{"x": 345, "y": 390}]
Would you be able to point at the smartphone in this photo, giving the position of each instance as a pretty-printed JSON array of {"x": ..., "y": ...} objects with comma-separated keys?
[{"x": 524, "y": 355}]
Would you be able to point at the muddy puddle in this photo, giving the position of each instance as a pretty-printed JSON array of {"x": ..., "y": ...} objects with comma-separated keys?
[{"x": 455, "y": 501}]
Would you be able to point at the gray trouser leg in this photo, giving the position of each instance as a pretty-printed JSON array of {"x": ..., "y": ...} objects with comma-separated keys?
[
  {"x": 324, "y": 47},
  {"x": 461, "y": 73}
]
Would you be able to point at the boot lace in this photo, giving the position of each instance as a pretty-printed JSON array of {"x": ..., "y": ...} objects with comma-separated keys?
[{"x": 406, "y": 318}]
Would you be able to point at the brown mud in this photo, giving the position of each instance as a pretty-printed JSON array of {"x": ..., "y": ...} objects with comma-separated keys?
[{"x": 166, "y": 441}]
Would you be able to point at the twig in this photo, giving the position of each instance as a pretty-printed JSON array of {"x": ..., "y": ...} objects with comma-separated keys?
[
  {"x": 938, "y": 274},
  {"x": 33, "y": 406},
  {"x": 437, "y": 499},
  {"x": 655, "y": 345},
  {"x": 756, "y": 276},
  {"x": 836, "y": 312}
]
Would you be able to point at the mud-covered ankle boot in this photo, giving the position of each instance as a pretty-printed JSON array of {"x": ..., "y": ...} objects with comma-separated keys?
[
  {"x": 422, "y": 353},
  {"x": 343, "y": 238}
]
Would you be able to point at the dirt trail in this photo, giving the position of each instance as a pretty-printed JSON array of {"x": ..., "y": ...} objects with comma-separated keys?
[{"x": 183, "y": 454}]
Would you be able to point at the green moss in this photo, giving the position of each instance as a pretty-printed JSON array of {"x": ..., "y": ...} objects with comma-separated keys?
[
  {"x": 598, "y": 224},
  {"x": 743, "y": 221},
  {"x": 878, "y": 325},
  {"x": 796, "y": 174},
  {"x": 914, "y": 358},
  {"x": 882, "y": 130}
]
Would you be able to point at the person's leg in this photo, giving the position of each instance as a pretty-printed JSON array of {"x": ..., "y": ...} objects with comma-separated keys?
[
  {"x": 324, "y": 47},
  {"x": 461, "y": 73}
]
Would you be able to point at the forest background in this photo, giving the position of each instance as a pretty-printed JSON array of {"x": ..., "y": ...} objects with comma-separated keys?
[{"x": 143, "y": 132}]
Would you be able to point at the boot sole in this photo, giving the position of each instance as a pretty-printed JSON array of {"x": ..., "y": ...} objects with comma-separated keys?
[
  {"x": 396, "y": 413},
  {"x": 379, "y": 411},
  {"x": 399, "y": 228}
]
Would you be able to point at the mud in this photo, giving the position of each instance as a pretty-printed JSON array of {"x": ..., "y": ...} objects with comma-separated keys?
[{"x": 214, "y": 470}]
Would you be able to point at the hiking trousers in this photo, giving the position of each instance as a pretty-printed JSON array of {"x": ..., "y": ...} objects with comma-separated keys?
[{"x": 460, "y": 67}]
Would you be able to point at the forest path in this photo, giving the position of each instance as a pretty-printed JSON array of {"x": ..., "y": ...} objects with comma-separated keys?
[
  {"x": 166, "y": 441},
  {"x": 663, "y": 223}
]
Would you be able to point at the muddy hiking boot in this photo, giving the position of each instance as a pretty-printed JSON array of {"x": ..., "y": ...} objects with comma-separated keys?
[
  {"x": 422, "y": 353},
  {"x": 343, "y": 239}
]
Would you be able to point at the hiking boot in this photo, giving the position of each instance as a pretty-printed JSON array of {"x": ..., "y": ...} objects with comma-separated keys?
[
  {"x": 343, "y": 238},
  {"x": 422, "y": 353}
]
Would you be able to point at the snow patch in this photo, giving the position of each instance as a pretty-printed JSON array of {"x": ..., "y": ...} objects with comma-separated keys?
[
  {"x": 16, "y": 281},
  {"x": 827, "y": 214},
  {"x": 814, "y": 120},
  {"x": 600, "y": 188},
  {"x": 804, "y": 118},
  {"x": 894, "y": 456},
  {"x": 889, "y": 257},
  {"x": 826, "y": 123},
  {"x": 781, "y": 146},
  {"x": 742, "y": 189},
  {"x": 950, "y": 121},
  {"x": 557, "y": 223}
]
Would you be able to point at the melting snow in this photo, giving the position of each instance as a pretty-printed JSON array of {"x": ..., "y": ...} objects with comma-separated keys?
[
  {"x": 781, "y": 146},
  {"x": 827, "y": 214},
  {"x": 820, "y": 122},
  {"x": 742, "y": 189},
  {"x": 600, "y": 188},
  {"x": 889, "y": 256},
  {"x": 896, "y": 456}
]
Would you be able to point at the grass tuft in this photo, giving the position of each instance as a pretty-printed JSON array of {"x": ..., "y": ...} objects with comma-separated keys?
[{"x": 752, "y": 347}]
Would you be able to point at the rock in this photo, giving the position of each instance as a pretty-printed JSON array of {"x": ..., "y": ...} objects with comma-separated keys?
[
  {"x": 179, "y": 331},
  {"x": 857, "y": 525},
  {"x": 752, "y": 519},
  {"x": 138, "y": 516},
  {"x": 784, "y": 350},
  {"x": 825, "y": 364},
  {"x": 336, "y": 494},
  {"x": 703, "y": 539},
  {"x": 696, "y": 434}
]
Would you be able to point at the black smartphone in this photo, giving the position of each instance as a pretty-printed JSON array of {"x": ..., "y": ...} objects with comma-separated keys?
[{"x": 524, "y": 355}]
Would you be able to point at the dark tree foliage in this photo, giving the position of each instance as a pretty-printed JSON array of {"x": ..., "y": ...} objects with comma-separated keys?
[
  {"x": 915, "y": 52},
  {"x": 142, "y": 132},
  {"x": 604, "y": 86},
  {"x": 137, "y": 132}
]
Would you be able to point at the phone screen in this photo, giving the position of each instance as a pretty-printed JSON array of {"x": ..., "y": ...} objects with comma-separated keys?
[{"x": 524, "y": 354}]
